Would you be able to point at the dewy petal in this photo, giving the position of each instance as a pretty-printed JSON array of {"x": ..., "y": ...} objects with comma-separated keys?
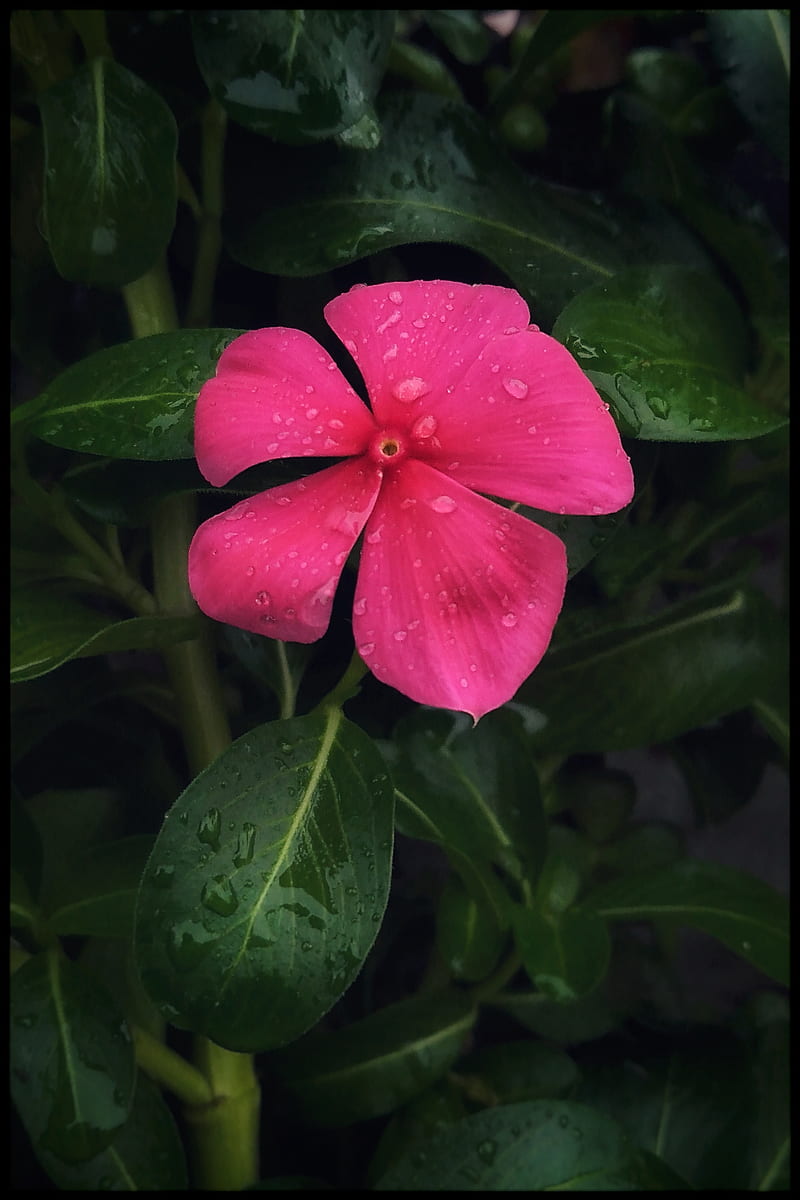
[
  {"x": 276, "y": 394},
  {"x": 413, "y": 341},
  {"x": 271, "y": 563},
  {"x": 526, "y": 424},
  {"x": 456, "y": 597}
]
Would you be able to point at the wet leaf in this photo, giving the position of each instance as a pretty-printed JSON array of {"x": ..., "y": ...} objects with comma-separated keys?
[
  {"x": 72, "y": 1064},
  {"x": 668, "y": 349},
  {"x": 475, "y": 790},
  {"x": 267, "y": 883},
  {"x": 145, "y": 1156},
  {"x": 110, "y": 190},
  {"x": 689, "y": 1102},
  {"x": 48, "y": 629},
  {"x": 438, "y": 176},
  {"x": 743, "y": 913},
  {"x": 658, "y": 676},
  {"x": 532, "y": 1145},
  {"x": 297, "y": 75},
  {"x": 135, "y": 400},
  {"x": 752, "y": 47},
  {"x": 378, "y": 1063}
]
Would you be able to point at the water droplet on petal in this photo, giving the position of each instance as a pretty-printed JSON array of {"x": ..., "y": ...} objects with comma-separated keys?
[
  {"x": 516, "y": 387},
  {"x": 396, "y": 297},
  {"x": 443, "y": 504},
  {"x": 366, "y": 649},
  {"x": 408, "y": 390},
  {"x": 509, "y": 620},
  {"x": 360, "y": 606},
  {"x": 400, "y": 635},
  {"x": 425, "y": 427},
  {"x": 283, "y": 501},
  {"x": 263, "y": 598}
]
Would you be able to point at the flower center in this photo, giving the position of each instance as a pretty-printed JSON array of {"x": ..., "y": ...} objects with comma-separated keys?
[{"x": 388, "y": 447}]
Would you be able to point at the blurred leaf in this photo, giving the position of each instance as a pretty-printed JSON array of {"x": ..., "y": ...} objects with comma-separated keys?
[
  {"x": 722, "y": 767},
  {"x": 743, "y": 913},
  {"x": 469, "y": 935},
  {"x": 476, "y": 789},
  {"x": 267, "y": 883},
  {"x": 439, "y": 177},
  {"x": 566, "y": 954},
  {"x": 771, "y": 1136},
  {"x": 656, "y": 677},
  {"x": 48, "y": 628},
  {"x": 146, "y": 1155},
  {"x": 567, "y": 1022},
  {"x": 98, "y": 896},
  {"x": 433, "y": 1110},
  {"x": 644, "y": 847},
  {"x": 378, "y": 1063},
  {"x": 530, "y": 1146},
  {"x": 110, "y": 191},
  {"x": 689, "y": 1102},
  {"x": 135, "y": 400},
  {"x": 126, "y": 492},
  {"x": 462, "y": 31},
  {"x": 423, "y": 69},
  {"x": 668, "y": 348},
  {"x": 297, "y": 75},
  {"x": 752, "y": 47},
  {"x": 514, "y": 1071},
  {"x": 72, "y": 1065}
]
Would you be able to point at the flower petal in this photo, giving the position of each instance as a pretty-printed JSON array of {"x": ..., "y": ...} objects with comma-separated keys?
[
  {"x": 413, "y": 341},
  {"x": 456, "y": 597},
  {"x": 526, "y": 424},
  {"x": 271, "y": 563},
  {"x": 276, "y": 394}
]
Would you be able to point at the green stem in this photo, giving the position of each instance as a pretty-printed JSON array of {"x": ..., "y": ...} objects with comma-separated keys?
[
  {"x": 223, "y": 1130},
  {"x": 210, "y": 237},
  {"x": 348, "y": 686},
  {"x": 496, "y": 982},
  {"x": 171, "y": 1070}
]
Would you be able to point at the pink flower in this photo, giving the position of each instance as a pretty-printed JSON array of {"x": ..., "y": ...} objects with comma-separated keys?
[{"x": 456, "y": 596}]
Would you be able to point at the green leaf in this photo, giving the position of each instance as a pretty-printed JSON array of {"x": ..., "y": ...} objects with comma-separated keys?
[
  {"x": 135, "y": 400},
  {"x": 752, "y": 47},
  {"x": 656, "y": 677},
  {"x": 145, "y": 1156},
  {"x": 740, "y": 911},
  {"x": 689, "y": 1102},
  {"x": 110, "y": 184},
  {"x": 378, "y": 1063},
  {"x": 530, "y": 1146},
  {"x": 568, "y": 1022},
  {"x": 469, "y": 935},
  {"x": 566, "y": 954},
  {"x": 476, "y": 789},
  {"x": 772, "y": 1070},
  {"x": 462, "y": 31},
  {"x": 514, "y": 1071},
  {"x": 438, "y": 176},
  {"x": 667, "y": 347},
  {"x": 72, "y": 1064},
  {"x": 48, "y": 628},
  {"x": 297, "y": 75},
  {"x": 267, "y": 883},
  {"x": 98, "y": 896}
]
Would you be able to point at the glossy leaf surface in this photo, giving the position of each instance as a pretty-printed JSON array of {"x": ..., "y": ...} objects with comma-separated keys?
[
  {"x": 739, "y": 910},
  {"x": 135, "y": 400},
  {"x": 48, "y": 629},
  {"x": 376, "y": 1064},
  {"x": 667, "y": 347},
  {"x": 297, "y": 75},
  {"x": 72, "y": 1066},
  {"x": 654, "y": 678},
  {"x": 532, "y": 1145},
  {"x": 267, "y": 883},
  {"x": 110, "y": 190}
]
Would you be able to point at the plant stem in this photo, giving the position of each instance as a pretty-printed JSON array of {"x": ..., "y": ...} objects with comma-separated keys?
[
  {"x": 348, "y": 686},
  {"x": 223, "y": 1131},
  {"x": 171, "y": 1070},
  {"x": 210, "y": 238}
]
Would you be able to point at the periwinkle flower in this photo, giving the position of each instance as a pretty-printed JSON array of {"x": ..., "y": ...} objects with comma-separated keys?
[{"x": 456, "y": 596}]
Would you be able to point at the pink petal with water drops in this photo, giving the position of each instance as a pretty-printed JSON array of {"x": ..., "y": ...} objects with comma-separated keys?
[
  {"x": 271, "y": 563},
  {"x": 276, "y": 394},
  {"x": 456, "y": 596},
  {"x": 526, "y": 424},
  {"x": 413, "y": 341}
]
